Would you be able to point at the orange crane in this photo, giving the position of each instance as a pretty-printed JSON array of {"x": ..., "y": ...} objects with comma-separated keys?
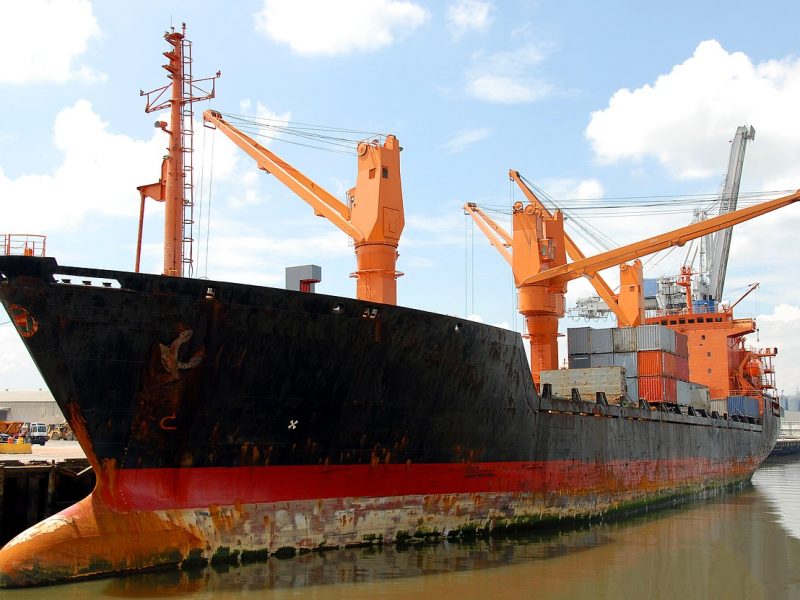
[
  {"x": 541, "y": 272},
  {"x": 373, "y": 216},
  {"x": 628, "y": 305}
]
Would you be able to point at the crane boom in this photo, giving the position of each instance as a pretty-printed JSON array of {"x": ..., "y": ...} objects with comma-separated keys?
[
  {"x": 497, "y": 236},
  {"x": 374, "y": 217},
  {"x": 628, "y": 314},
  {"x": 676, "y": 237},
  {"x": 323, "y": 203},
  {"x": 728, "y": 200}
]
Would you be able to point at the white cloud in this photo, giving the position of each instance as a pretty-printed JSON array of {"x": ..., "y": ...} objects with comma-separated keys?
[
  {"x": 507, "y": 77},
  {"x": 468, "y": 15},
  {"x": 466, "y": 138},
  {"x": 66, "y": 25},
  {"x": 99, "y": 173},
  {"x": 15, "y": 364},
  {"x": 319, "y": 27},
  {"x": 681, "y": 118}
]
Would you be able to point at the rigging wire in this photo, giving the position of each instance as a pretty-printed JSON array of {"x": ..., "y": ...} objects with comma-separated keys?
[
  {"x": 200, "y": 203},
  {"x": 208, "y": 217},
  {"x": 320, "y": 137}
]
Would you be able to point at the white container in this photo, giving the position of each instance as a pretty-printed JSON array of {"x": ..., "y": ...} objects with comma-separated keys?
[
  {"x": 699, "y": 396},
  {"x": 610, "y": 380},
  {"x": 624, "y": 339},
  {"x": 655, "y": 337},
  {"x": 721, "y": 406}
]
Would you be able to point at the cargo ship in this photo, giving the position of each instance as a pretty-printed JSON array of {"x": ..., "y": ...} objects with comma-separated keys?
[{"x": 227, "y": 421}]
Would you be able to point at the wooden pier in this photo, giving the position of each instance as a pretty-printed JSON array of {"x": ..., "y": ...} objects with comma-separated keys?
[{"x": 33, "y": 490}]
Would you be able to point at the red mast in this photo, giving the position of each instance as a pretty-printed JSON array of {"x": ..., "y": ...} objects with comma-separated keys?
[{"x": 175, "y": 187}]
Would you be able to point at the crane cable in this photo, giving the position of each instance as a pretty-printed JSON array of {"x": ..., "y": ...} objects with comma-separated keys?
[
  {"x": 208, "y": 216},
  {"x": 320, "y": 137}
]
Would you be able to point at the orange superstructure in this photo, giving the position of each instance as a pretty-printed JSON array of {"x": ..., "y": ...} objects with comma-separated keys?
[{"x": 718, "y": 356}]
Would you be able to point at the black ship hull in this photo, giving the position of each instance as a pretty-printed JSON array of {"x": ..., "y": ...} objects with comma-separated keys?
[{"x": 225, "y": 419}]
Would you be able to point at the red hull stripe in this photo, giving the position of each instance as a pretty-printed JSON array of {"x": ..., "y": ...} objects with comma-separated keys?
[{"x": 153, "y": 489}]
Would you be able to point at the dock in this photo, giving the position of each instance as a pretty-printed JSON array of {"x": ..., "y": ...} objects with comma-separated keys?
[{"x": 37, "y": 485}]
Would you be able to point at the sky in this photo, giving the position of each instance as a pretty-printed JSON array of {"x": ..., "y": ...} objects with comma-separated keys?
[{"x": 600, "y": 105}]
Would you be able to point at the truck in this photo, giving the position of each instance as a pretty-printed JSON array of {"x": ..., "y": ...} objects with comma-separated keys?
[{"x": 37, "y": 433}]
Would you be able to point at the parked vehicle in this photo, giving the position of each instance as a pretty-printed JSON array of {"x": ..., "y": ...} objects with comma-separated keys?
[
  {"x": 61, "y": 432},
  {"x": 37, "y": 433}
]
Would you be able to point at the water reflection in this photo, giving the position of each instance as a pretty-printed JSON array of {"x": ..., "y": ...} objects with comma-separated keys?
[
  {"x": 739, "y": 545},
  {"x": 778, "y": 480}
]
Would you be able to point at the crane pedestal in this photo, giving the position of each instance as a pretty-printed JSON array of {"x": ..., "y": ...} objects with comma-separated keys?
[{"x": 376, "y": 275}]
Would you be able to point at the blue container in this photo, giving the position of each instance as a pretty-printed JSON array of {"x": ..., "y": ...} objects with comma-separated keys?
[
  {"x": 703, "y": 306},
  {"x": 650, "y": 288},
  {"x": 743, "y": 406}
]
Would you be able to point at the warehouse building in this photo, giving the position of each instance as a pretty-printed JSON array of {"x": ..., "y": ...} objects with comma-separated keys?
[{"x": 30, "y": 407}]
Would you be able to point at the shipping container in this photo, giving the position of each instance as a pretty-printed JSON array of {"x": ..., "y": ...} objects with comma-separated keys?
[
  {"x": 668, "y": 339},
  {"x": 650, "y": 287},
  {"x": 601, "y": 359},
  {"x": 628, "y": 361},
  {"x": 655, "y": 337},
  {"x": 721, "y": 406},
  {"x": 657, "y": 388},
  {"x": 671, "y": 387},
  {"x": 578, "y": 361},
  {"x": 699, "y": 397},
  {"x": 682, "y": 368},
  {"x": 650, "y": 362},
  {"x": 670, "y": 369},
  {"x": 632, "y": 383},
  {"x": 610, "y": 380},
  {"x": 683, "y": 392},
  {"x": 743, "y": 406},
  {"x": 624, "y": 339},
  {"x": 600, "y": 341},
  {"x": 578, "y": 340},
  {"x": 681, "y": 345}
]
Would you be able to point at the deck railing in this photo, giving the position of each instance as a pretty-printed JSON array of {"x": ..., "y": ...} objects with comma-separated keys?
[{"x": 23, "y": 244}]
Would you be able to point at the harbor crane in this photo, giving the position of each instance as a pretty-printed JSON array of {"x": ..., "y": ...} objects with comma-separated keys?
[
  {"x": 373, "y": 216},
  {"x": 628, "y": 304},
  {"x": 720, "y": 243}
]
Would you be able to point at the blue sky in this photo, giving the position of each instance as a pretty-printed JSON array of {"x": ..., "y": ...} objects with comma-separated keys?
[{"x": 586, "y": 99}]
